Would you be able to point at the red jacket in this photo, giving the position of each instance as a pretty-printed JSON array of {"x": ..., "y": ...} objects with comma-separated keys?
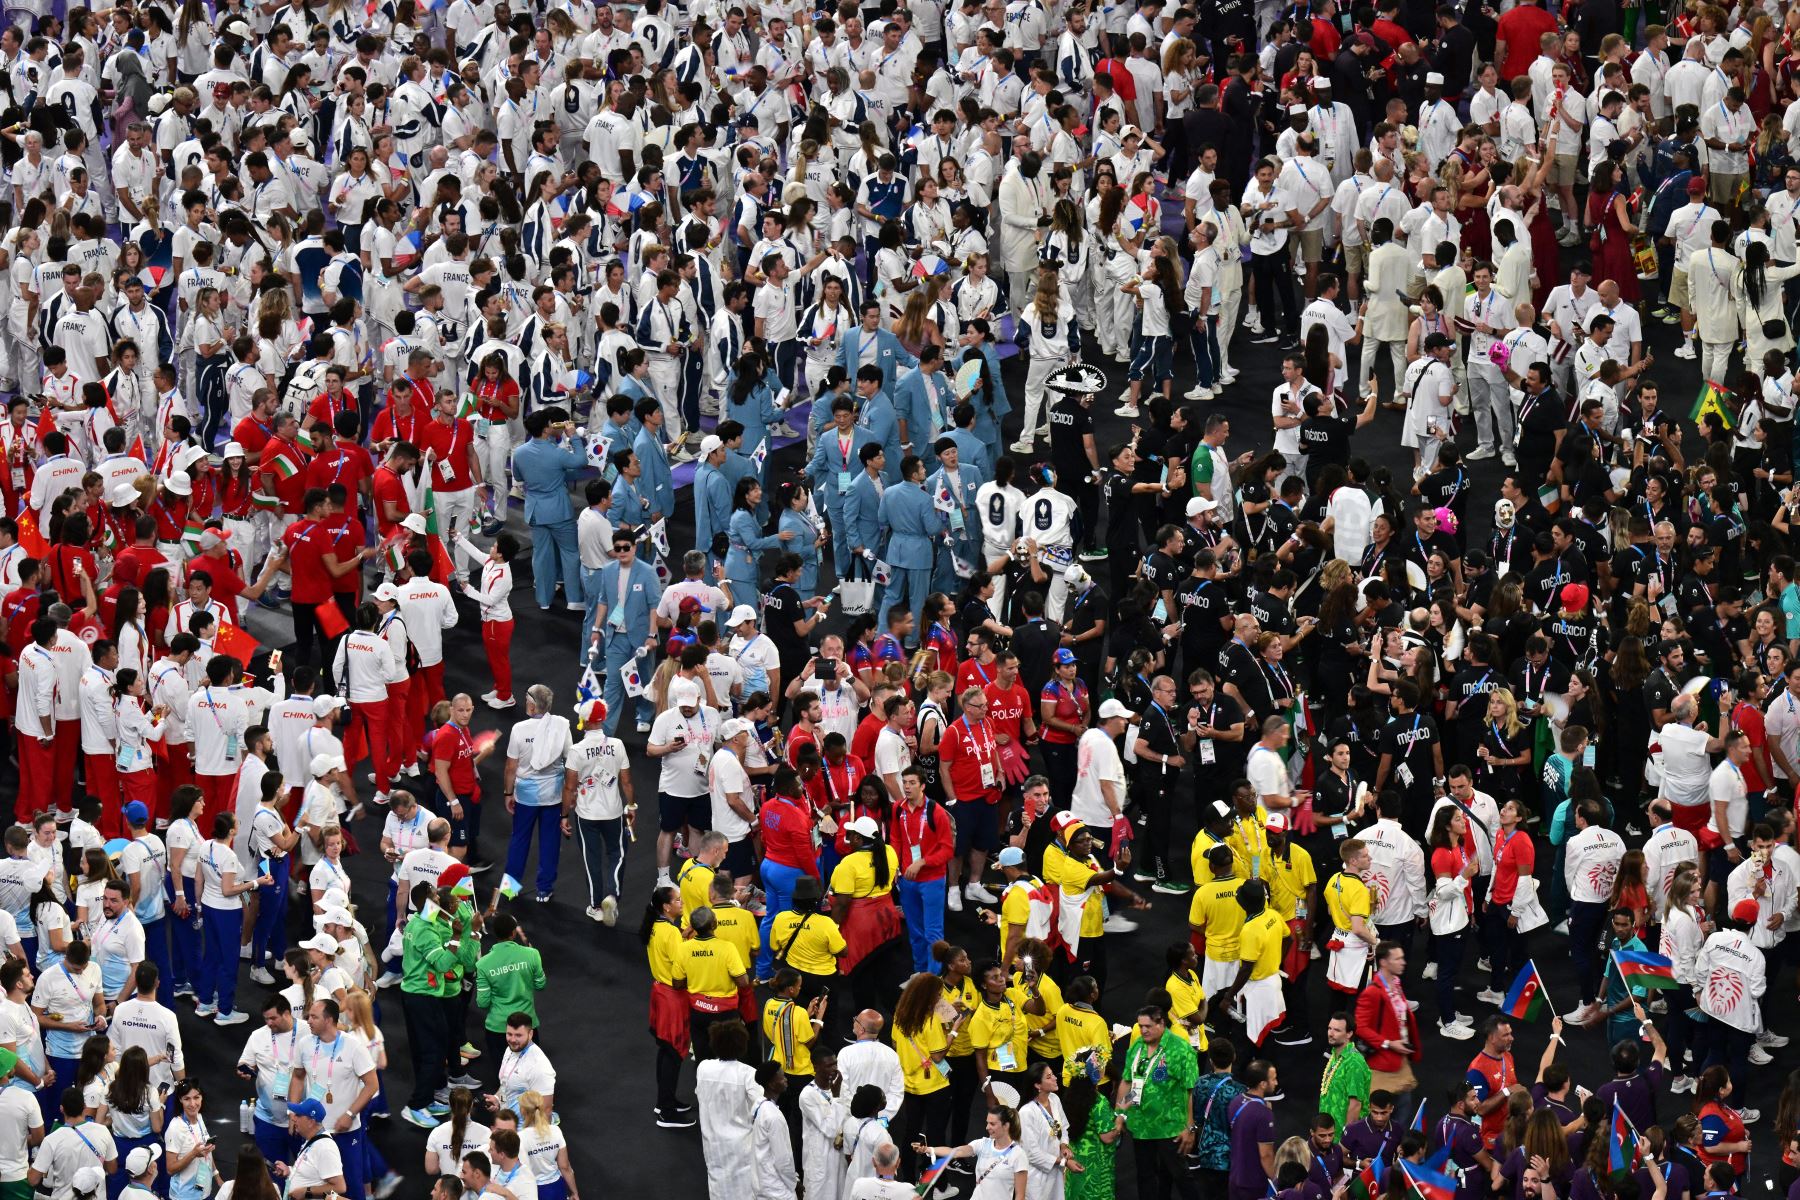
[
  {"x": 929, "y": 830},
  {"x": 1376, "y": 1023}
]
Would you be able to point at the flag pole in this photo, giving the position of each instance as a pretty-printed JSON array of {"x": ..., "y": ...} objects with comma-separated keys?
[{"x": 1542, "y": 990}]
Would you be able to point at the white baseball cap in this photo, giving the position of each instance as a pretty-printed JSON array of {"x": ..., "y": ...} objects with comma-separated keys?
[
  {"x": 709, "y": 443},
  {"x": 324, "y": 706},
  {"x": 1296, "y": 110},
  {"x": 1109, "y": 709},
  {"x": 335, "y": 915},
  {"x": 740, "y": 614},
  {"x": 325, "y": 764},
  {"x": 388, "y": 592},
  {"x": 1201, "y": 504},
  {"x": 324, "y": 943},
  {"x": 683, "y": 692},
  {"x": 141, "y": 1159},
  {"x": 864, "y": 826},
  {"x": 733, "y": 728}
]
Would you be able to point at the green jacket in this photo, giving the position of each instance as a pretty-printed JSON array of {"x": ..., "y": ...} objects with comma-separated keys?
[
  {"x": 426, "y": 961},
  {"x": 507, "y": 980}
]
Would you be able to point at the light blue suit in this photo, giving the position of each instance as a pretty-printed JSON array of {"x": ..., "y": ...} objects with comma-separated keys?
[
  {"x": 756, "y": 413},
  {"x": 624, "y": 632},
  {"x": 712, "y": 505},
  {"x": 656, "y": 484},
  {"x": 743, "y": 565},
  {"x": 545, "y": 470},
  {"x": 879, "y": 418},
  {"x": 628, "y": 504},
  {"x": 618, "y": 437},
  {"x": 802, "y": 544},
  {"x": 737, "y": 466},
  {"x": 823, "y": 472},
  {"x": 972, "y": 456},
  {"x": 890, "y": 356},
  {"x": 913, "y": 526},
  {"x": 990, "y": 411},
  {"x": 962, "y": 541},
  {"x": 920, "y": 397}
]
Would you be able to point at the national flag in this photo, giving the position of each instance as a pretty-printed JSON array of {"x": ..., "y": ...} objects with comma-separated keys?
[
  {"x": 408, "y": 248},
  {"x": 110, "y": 541},
  {"x": 233, "y": 640},
  {"x": 1525, "y": 999},
  {"x": 1712, "y": 399},
  {"x": 467, "y": 406},
  {"x": 1640, "y": 968},
  {"x": 441, "y": 562},
  {"x": 1418, "y": 1121},
  {"x": 190, "y": 534},
  {"x": 575, "y": 381},
  {"x": 286, "y": 467},
  {"x": 1431, "y": 1185},
  {"x": 1621, "y": 1142},
  {"x": 510, "y": 887},
  {"x": 331, "y": 619},
  {"x": 599, "y": 449},
  {"x": 393, "y": 552},
  {"x": 156, "y": 274},
  {"x": 631, "y": 678},
  {"x": 265, "y": 502},
  {"x": 1550, "y": 496},
  {"x": 760, "y": 455},
  {"x": 309, "y": 440},
  {"x": 930, "y": 1175},
  {"x": 624, "y": 206},
  {"x": 659, "y": 538},
  {"x": 1367, "y": 1183},
  {"x": 137, "y": 450},
  {"x": 1136, "y": 213}
]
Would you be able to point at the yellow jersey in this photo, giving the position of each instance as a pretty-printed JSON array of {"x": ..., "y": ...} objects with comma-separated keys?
[
  {"x": 1249, "y": 842},
  {"x": 667, "y": 956},
  {"x": 1185, "y": 996},
  {"x": 1043, "y": 1029},
  {"x": 790, "y": 1033},
  {"x": 1000, "y": 1031},
  {"x": 1074, "y": 875},
  {"x": 1216, "y": 912},
  {"x": 1015, "y": 907},
  {"x": 712, "y": 967},
  {"x": 737, "y": 925},
  {"x": 1203, "y": 841},
  {"x": 1079, "y": 1029},
  {"x": 1348, "y": 896},
  {"x": 964, "y": 999},
  {"x": 694, "y": 880},
  {"x": 1260, "y": 944},
  {"x": 815, "y": 941},
  {"x": 1288, "y": 880},
  {"x": 915, "y": 1050},
  {"x": 855, "y": 875}
]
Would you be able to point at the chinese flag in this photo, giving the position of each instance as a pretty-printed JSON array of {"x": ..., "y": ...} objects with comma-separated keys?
[
  {"x": 331, "y": 620},
  {"x": 233, "y": 640}
]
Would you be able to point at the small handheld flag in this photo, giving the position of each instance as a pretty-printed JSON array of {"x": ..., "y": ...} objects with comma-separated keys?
[
  {"x": 1525, "y": 999},
  {"x": 1621, "y": 1142},
  {"x": 510, "y": 887},
  {"x": 1640, "y": 968},
  {"x": 1418, "y": 1121},
  {"x": 659, "y": 537},
  {"x": 928, "y": 1178},
  {"x": 1712, "y": 399},
  {"x": 1367, "y": 1183},
  {"x": 1431, "y": 1185},
  {"x": 406, "y": 249}
]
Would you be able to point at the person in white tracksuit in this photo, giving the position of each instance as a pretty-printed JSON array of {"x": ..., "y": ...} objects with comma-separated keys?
[{"x": 1048, "y": 322}]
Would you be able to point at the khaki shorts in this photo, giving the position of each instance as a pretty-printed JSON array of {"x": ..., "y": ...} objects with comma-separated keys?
[
  {"x": 1312, "y": 245},
  {"x": 1398, "y": 1082},
  {"x": 1725, "y": 188},
  {"x": 1678, "y": 287},
  {"x": 1356, "y": 260},
  {"x": 1563, "y": 170}
]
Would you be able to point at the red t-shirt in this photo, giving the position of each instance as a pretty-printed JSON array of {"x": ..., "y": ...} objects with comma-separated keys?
[
  {"x": 833, "y": 787},
  {"x": 9, "y": 696},
  {"x": 787, "y": 826},
  {"x": 389, "y": 488},
  {"x": 1749, "y": 720},
  {"x": 286, "y": 463},
  {"x": 1514, "y": 855},
  {"x": 60, "y": 564},
  {"x": 1071, "y": 706},
  {"x": 347, "y": 539},
  {"x": 967, "y": 747},
  {"x": 227, "y": 584},
  {"x": 1008, "y": 708},
  {"x": 171, "y": 517},
  {"x": 325, "y": 412},
  {"x": 973, "y": 673},
  {"x": 1325, "y": 40},
  {"x": 862, "y": 742},
  {"x": 252, "y": 435},
  {"x": 1520, "y": 28},
  {"x": 452, "y": 444},
  {"x": 1120, "y": 74},
  {"x": 452, "y": 744},
  {"x": 341, "y": 462},
  {"x": 20, "y": 608},
  {"x": 1451, "y": 862},
  {"x": 1496, "y": 1075},
  {"x": 797, "y": 738},
  {"x": 135, "y": 562},
  {"x": 308, "y": 543},
  {"x": 412, "y": 427}
]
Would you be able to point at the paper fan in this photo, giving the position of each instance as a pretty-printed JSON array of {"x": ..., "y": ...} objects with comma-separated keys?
[
  {"x": 968, "y": 378},
  {"x": 1136, "y": 213},
  {"x": 1696, "y": 685},
  {"x": 929, "y": 264}
]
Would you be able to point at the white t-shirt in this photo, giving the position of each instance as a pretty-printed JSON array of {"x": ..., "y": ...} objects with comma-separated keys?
[
  {"x": 334, "y": 1072},
  {"x": 1097, "y": 758},
  {"x": 684, "y": 770},
  {"x": 217, "y": 860},
  {"x": 19, "y": 1115},
  {"x": 892, "y": 754},
  {"x": 315, "y": 1162},
  {"x": 475, "y": 1137},
  {"x": 1727, "y": 783},
  {"x": 67, "y": 1149},
  {"x": 527, "y": 1072},
  {"x": 1687, "y": 768},
  {"x": 597, "y": 761},
  {"x": 726, "y": 777}
]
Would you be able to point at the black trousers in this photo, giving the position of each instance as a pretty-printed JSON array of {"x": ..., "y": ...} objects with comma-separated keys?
[
  {"x": 428, "y": 1038},
  {"x": 1161, "y": 1170},
  {"x": 1275, "y": 286}
]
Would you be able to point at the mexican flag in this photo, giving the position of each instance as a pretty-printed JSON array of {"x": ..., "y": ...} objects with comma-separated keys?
[{"x": 1712, "y": 399}]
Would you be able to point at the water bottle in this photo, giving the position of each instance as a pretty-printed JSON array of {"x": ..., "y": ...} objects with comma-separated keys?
[{"x": 246, "y": 1117}]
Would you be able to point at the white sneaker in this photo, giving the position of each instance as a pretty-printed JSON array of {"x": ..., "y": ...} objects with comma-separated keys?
[
  {"x": 1682, "y": 1084},
  {"x": 489, "y": 697},
  {"x": 643, "y": 727},
  {"x": 1198, "y": 393},
  {"x": 509, "y": 702},
  {"x": 609, "y": 911},
  {"x": 980, "y": 895},
  {"x": 1490, "y": 996},
  {"x": 1128, "y": 411},
  {"x": 1562, "y": 928},
  {"x": 261, "y": 975},
  {"x": 1760, "y": 1057},
  {"x": 1430, "y": 971},
  {"x": 1509, "y": 458},
  {"x": 1749, "y": 1116},
  {"x": 1459, "y": 1033},
  {"x": 1021, "y": 447},
  {"x": 234, "y": 1018},
  {"x": 593, "y": 914},
  {"x": 953, "y": 899},
  {"x": 388, "y": 979},
  {"x": 1229, "y": 375},
  {"x": 1482, "y": 964},
  {"x": 1464, "y": 1020},
  {"x": 1771, "y": 1041},
  {"x": 1480, "y": 452},
  {"x": 1579, "y": 1016},
  {"x": 1120, "y": 923},
  {"x": 1686, "y": 351}
]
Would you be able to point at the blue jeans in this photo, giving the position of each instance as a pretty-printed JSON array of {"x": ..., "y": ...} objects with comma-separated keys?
[
  {"x": 546, "y": 821},
  {"x": 554, "y": 555},
  {"x": 778, "y": 891},
  {"x": 217, "y": 981},
  {"x": 268, "y": 940},
  {"x": 922, "y": 904},
  {"x": 620, "y": 650},
  {"x": 603, "y": 856}
]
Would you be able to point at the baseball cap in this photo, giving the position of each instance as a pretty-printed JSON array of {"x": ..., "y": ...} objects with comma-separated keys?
[
  {"x": 1112, "y": 709},
  {"x": 324, "y": 706},
  {"x": 1296, "y": 110},
  {"x": 324, "y": 943},
  {"x": 1075, "y": 575},
  {"x": 142, "y": 1159},
  {"x": 1277, "y": 823},
  {"x": 1012, "y": 856},
  {"x": 89, "y": 1180},
  {"x": 1064, "y": 656},
  {"x": 1696, "y": 186},
  {"x": 1065, "y": 825},
  {"x": 137, "y": 812},
  {"x": 212, "y": 539},
  {"x": 864, "y": 826},
  {"x": 1201, "y": 504},
  {"x": 309, "y": 1108},
  {"x": 740, "y": 614},
  {"x": 692, "y": 604},
  {"x": 709, "y": 443},
  {"x": 733, "y": 728},
  {"x": 683, "y": 692},
  {"x": 1438, "y": 341},
  {"x": 335, "y": 915},
  {"x": 325, "y": 764},
  {"x": 1744, "y": 910},
  {"x": 1574, "y": 595},
  {"x": 388, "y": 592}
]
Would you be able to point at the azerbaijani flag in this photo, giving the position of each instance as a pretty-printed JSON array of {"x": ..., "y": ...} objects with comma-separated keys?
[
  {"x": 1640, "y": 968},
  {"x": 1418, "y": 1121},
  {"x": 1367, "y": 1183},
  {"x": 1525, "y": 999},
  {"x": 1430, "y": 1184},
  {"x": 930, "y": 1175},
  {"x": 1621, "y": 1142},
  {"x": 1714, "y": 399}
]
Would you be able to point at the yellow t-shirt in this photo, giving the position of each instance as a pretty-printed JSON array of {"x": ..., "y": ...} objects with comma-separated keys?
[
  {"x": 815, "y": 948},
  {"x": 1015, "y": 907},
  {"x": 1203, "y": 841},
  {"x": 855, "y": 875},
  {"x": 1249, "y": 842},
  {"x": 790, "y": 1033},
  {"x": 1288, "y": 880},
  {"x": 712, "y": 968},
  {"x": 1347, "y": 896},
  {"x": 1260, "y": 944},
  {"x": 738, "y": 926},
  {"x": 1073, "y": 875},
  {"x": 1185, "y": 996},
  {"x": 667, "y": 956},
  {"x": 1000, "y": 1031},
  {"x": 1043, "y": 1029},
  {"x": 1080, "y": 1029},
  {"x": 1216, "y": 912},
  {"x": 965, "y": 998},
  {"x": 915, "y": 1051},
  {"x": 695, "y": 881}
]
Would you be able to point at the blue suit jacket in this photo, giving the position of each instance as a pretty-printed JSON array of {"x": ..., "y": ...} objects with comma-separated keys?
[
  {"x": 546, "y": 469},
  {"x": 883, "y": 425},
  {"x": 913, "y": 525},
  {"x": 656, "y": 484},
  {"x": 964, "y": 497},
  {"x": 712, "y": 505},
  {"x": 748, "y": 543},
  {"x": 629, "y": 506},
  {"x": 756, "y": 413},
  {"x": 972, "y": 456},
  {"x": 862, "y": 514},
  {"x": 642, "y": 592},
  {"x": 920, "y": 401},
  {"x": 890, "y": 357},
  {"x": 825, "y": 466}
]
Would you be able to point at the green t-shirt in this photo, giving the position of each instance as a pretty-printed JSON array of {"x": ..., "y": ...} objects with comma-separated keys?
[
  {"x": 507, "y": 980},
  {"x": 1167, "y": 1075},
  {"x": 1346, "y": 1078}
]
